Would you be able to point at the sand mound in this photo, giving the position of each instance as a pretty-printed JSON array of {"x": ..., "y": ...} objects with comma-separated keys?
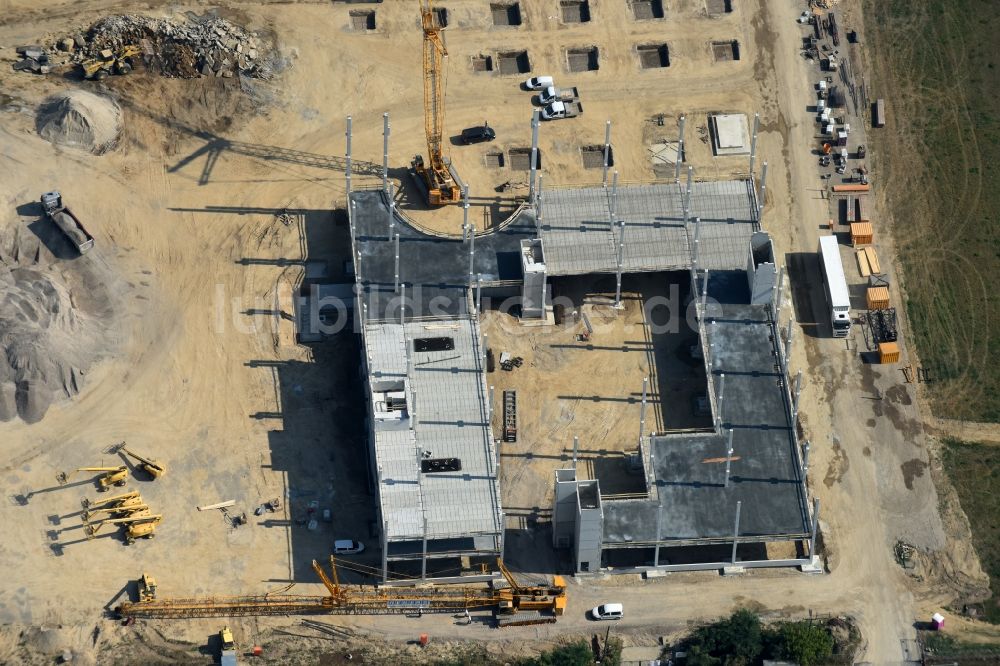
[
  {"x": 80, "y": 119},
  {"x": 56, "y": 320}
]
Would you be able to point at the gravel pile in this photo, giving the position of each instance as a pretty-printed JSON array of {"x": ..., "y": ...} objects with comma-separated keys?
[
  {"x": 80, "y": 119},
  {"x": 57, "y": 319}
]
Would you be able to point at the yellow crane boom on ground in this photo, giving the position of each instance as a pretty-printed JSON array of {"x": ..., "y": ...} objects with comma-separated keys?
[
  {"x": 513, "y": 606},
  {"x": 436, "y": 173}
]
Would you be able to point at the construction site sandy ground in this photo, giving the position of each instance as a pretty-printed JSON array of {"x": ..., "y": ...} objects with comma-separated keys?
[{"x": 206, "y": 210}]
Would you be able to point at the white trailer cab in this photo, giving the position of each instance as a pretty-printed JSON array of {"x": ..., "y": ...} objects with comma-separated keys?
[{"x": 835, "y": 286}]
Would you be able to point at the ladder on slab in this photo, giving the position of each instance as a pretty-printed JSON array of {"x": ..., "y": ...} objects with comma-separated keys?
[{"x": 510, "y": 416}]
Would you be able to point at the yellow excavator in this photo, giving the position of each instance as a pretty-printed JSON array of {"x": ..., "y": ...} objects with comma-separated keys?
[
  {"x": 115, "y": 511},
  {"x": 136, "y": 526},
  {"x": 130, "y": 498},
  {"x": 154, "y": 468},
  {"x": 112, "y": 476},
  {"x": 108, "y": 61}
]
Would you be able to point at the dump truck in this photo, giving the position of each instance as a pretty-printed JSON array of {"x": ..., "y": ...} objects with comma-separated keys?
[
  {"x": 561, "y": 109},
  {"x": 552, "y": 94},
  {"x": 67, "y": 222}
]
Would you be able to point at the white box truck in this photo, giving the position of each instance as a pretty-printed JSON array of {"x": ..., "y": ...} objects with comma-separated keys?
[{"x": 838, "y": 299}]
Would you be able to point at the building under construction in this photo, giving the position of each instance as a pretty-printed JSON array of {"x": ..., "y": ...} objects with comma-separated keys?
[{"x": 721, "y": 496}]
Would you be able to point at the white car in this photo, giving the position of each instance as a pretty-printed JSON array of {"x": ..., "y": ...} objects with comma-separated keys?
[
  {"x": 607, "y": 612},
  {"x": 804, "y": 17},
  {"x": 538, "y": 82},
  {"x": 347, "y": 547}
]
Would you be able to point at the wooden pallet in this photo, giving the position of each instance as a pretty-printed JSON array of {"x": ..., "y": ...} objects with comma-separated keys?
[{"x": 873, "y": 260}]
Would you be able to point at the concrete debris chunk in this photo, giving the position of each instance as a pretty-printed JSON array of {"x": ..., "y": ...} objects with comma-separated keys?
[{"x": 178, "y": 47}]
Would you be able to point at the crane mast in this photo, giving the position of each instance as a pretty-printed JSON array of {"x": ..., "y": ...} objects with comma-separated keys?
[{"x": 436, "y": 173}]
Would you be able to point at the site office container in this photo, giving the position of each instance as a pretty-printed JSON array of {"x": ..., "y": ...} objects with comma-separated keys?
[
  {"x": 861, "y": 233},
  {"x": 878, "y": 298},
  {"x": 888, "y": 352}
]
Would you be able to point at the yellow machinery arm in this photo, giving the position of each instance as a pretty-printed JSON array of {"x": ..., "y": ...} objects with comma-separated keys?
[
  {"x": 112, "y": 475},
  {"x": 94, "y": 528},
  {"x": 154, "y": 468},
  {"x": 128, "y": 498},
  {"x": 508, "y": 575},
  {"x": 124, "y": 510}
]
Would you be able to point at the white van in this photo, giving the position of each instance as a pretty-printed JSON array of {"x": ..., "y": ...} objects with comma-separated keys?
[
  {"x": 538, "y": 82},
  {"x": 347, "y": 547},
  {"x": 607, "y": 612}
]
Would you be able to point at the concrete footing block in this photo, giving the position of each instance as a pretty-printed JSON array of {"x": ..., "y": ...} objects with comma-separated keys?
[{"x": 815, "y": 566}]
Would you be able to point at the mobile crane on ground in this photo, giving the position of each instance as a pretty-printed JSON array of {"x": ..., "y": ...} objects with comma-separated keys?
[
  {"x": 436, "y": 175},
  {"x": 516, "y": 605}
]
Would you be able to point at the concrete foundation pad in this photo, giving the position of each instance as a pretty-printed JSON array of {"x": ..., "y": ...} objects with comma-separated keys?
[
  {"x": 655, "y": 574},
  {"x": 815, "y": 566},
  {"x": 549, "y": 320},
  {"x": 733, "y": 571},
  {"x": 730, "y": 135}
]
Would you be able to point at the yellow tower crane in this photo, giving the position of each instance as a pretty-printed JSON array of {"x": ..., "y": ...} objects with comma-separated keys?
[{"x": 437, "y": 173}]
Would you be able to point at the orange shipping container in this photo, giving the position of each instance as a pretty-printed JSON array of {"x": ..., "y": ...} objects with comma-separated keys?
[
  {"x": 878, "y": 298},
  {"x": 888, "y": 352},
  {"x": 851, "y": 188},
  {"x": 861, "y": 233}
]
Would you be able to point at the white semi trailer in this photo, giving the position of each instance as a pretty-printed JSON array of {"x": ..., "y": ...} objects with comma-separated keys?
[{"x": 838, "y": 299}]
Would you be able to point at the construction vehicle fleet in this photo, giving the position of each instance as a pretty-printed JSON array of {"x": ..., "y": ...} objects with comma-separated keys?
[{"x": 513, "y": 604}]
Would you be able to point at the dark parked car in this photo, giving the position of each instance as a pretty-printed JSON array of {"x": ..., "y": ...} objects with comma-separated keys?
[{"x": 478, "y": 134}]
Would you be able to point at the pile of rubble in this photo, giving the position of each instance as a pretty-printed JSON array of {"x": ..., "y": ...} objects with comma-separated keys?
[{"x": 200, "y": 46}]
